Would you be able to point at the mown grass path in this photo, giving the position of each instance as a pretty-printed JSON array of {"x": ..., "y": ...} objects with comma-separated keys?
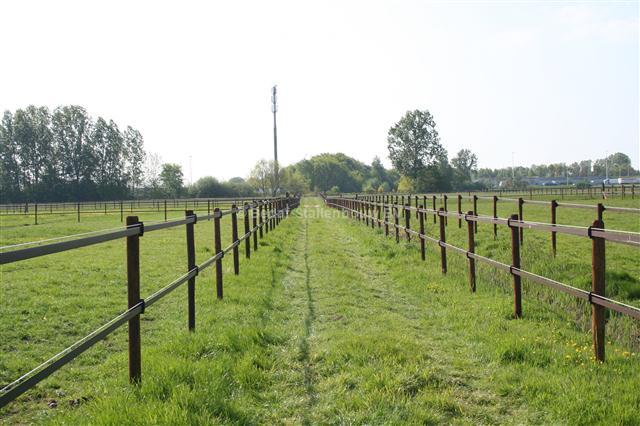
[{"x": 332, "y": 323}]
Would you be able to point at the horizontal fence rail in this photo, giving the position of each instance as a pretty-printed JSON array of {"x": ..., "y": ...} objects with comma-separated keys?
[
  {"x": 275, "y": 210},
  {"x": 95, "y": 208},
  {"x": 373, "y": 212},
  {"x": 596, "y": 191}
]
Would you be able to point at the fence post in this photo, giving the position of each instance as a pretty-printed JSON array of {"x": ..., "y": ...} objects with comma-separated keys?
[
  {"x": 472, "y": 249},
  {"x": 475, "y": 212},
  {"x": 386, "y": 220},
  {"x": 218, "y": 248},
  {"x": 435, "y": 213},
  {"x": 459, "y": 210},
  {"x": 254, "y": 218},
  {"x": 267, "y": 213},
  {"x": 407, "y": 221},
  {"x": 598, "y": 287},
  {"x": 274, "y": 213},
  {"x": 495, "y": 216},
  {"x": 133, "y": 298},
  {"x": 600, "y": 211},
  {"x": 396, "y": 221},
  {"x": 121, "y": 212},
  {"x": 260, "y": 217},
  {"x": 446, "y": 218},
  {"x": 379, "y": 207},
  {"x": 366, "y": 212},
  {"x": 554, "y": 206},
  {"x": 78, "y": 207},
  {"x": 373, "y": 220},
  {"x": 421, "y": 219},
  {"x": 515, "y": 263},
  {"x": 443, "y": 239},
  {"x": 521, "y": 217},
  {"x": 247, "y": 232},
  {"x": 234, "y": 238},
  {"x": 191, "y": 264},
  {"x": 36, "y": 213}
]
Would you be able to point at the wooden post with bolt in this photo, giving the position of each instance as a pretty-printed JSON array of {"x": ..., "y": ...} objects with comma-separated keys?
[
  {"x": 472, "y": 249},
  {"x": 133, "y": 298},
  {"x": 247, "y": 231},
  {"x": 515, "y": 263},
  {"x": 598, "y": 288},
  {"x": 218, "y": 248},
  {"x": 234, "y": 239},
  {"x": 443, "y": 239},
  {"x": 554, "y": 206},
  {"x": 191, "y": 264},
  {"x": 422, "y": 242}
]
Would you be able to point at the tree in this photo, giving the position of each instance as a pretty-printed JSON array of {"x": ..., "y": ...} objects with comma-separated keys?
[
  {"x": 9, "y": 168},
  {"x": 293, "y": 181},
  {"x": 465, "y": 164},
  {"x": 208, "y": 186},
  {"x": 405, "y": 184},
  {"x": 261, "y": 177},
  {"x": 71, "y": 126},
  {"x": 134, "y": 157},
  {"x": 384, "y": 187},
  {"x": 377, "y": 170},
  {"x": 171, "y": 179},
  {"x": 237, "y": 186},
  {"x": 31, "y": 130},
  {"x": 414, "y": 143}
]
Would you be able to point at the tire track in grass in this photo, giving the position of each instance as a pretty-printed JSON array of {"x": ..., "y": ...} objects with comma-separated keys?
[
  {"x": 377, "y": 357},
  {"x": 308, "y": 328}
]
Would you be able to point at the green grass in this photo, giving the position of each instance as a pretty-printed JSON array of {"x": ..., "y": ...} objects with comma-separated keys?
[{"x": 329, "y": 322}]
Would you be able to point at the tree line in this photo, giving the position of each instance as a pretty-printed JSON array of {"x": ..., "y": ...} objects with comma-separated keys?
[
  {"x": 614, "y": 165},
  {"x": 65, "y": 154}
]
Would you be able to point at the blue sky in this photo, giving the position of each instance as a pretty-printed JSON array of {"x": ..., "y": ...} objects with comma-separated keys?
[{"x": 548, "y": 81}]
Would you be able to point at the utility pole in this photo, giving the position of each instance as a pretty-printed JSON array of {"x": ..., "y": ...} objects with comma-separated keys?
[{"x": 274, "y": 109}]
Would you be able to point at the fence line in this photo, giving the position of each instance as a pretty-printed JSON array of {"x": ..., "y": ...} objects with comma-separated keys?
[
  {"x": 600, "y": 191},
  {"x": 371, "y": 212},
  {"x": 553, "y": 204},
  {"x": 166, "y": 206},
  {"x": 277, "y": 208}
]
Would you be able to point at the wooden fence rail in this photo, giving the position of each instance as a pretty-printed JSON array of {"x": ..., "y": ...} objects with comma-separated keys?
[
  {"x": 278, "y": 209},
  {"x": 596, "y": 232},
  {"x": 94, "y": 208},
  {"x": 597, "y": 191},
  {"x": 520, "y": 204}
]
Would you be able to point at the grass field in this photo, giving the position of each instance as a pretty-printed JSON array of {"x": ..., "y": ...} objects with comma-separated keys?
[{"x": 329, "y": 322}]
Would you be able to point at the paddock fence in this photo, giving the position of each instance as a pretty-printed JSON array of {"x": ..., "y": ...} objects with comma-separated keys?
[
  {"x": 373, "y": 212},
  {"x": 255, "y": 225},
  {"x": 119, "y": 207}
]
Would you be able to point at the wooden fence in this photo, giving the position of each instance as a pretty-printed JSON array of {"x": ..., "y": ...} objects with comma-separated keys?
[
  {"x": 443, "y": 199},
  {"x": 122, "y": 207},
  {"x": 604, "y": 191},
  {"x": 373, "y": 212},
  {"x": 274, "y": 209}
]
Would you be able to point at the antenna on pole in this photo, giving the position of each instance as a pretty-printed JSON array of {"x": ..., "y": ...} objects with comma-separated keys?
[{"x": 274, "y": 110}]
